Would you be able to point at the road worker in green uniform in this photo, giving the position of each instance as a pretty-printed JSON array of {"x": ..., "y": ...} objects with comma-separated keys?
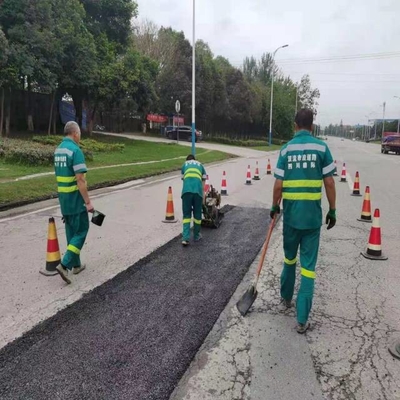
[
  {"x": 194, "y": 177},
  {"x": 304, "y": 164},
  {"x": 70, "y": 170}
]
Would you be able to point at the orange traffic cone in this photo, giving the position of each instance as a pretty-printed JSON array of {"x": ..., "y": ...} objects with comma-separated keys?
[
  {"x": 169, "y": 214},
  {"x": 53, "y": 257},
  {"x": 256, "y": 176},
  {"x": 343, "y": 177},
  {"x": 248, "y": 176},
  {"x": 374, "y": 249},
  {"x": 269, "y": 171},
  {"x": 335, "y": 173},
  {"x": 207, "y": 185},
  {"x": 356, "y": 186},
  {"x": 224, "y": 186},
  {"x": 366, "y": 208}
]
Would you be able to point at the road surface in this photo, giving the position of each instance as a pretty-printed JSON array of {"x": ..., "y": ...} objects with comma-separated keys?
[{"x": 357, "y": 304}]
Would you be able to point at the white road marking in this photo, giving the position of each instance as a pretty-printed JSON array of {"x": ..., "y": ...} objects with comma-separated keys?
[{"x": 350, "y": 181}]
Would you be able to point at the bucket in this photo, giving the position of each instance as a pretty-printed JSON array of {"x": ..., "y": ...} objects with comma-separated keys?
[{"x": 98, "y": 218}]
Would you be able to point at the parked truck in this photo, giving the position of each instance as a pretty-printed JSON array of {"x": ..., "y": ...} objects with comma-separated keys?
[{"x": 390, "y": 143}]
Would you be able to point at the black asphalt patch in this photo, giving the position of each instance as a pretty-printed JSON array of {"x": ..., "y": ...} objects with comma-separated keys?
[{"x": 134, "y": 336}]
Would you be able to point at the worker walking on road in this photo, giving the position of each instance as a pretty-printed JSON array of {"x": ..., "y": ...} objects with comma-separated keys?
[
  {"x": 193, "y": 176},
  {"x": 70, "y": 169},
  {"x": 303, "y": 165}
]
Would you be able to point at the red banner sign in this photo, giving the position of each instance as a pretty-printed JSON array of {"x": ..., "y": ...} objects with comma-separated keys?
[
  {"x": 157, "y": 118},
  {"x": 181, "y": 121}
]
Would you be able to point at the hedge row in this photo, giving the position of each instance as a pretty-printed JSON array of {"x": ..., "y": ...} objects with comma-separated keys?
[
  {"x": 243, "y": 142},
  {"x": 31, "y": 153},
  {"x": 89, "y": 144}
]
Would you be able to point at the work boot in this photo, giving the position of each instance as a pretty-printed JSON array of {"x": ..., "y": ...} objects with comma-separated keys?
[
  {"x": 78, "y": 270},
  {"x": 63, "y": 272},
  {"x": 285, "y": 304},
  {"x": 185, "y": 243},
  {"x": 198, "y": 238},
  {"x": 302, "y": 328}
]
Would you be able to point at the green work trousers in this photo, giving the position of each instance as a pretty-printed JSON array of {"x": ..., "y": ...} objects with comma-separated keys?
[
  {"x": 308, "y": 240},
  {"x": 76, "y": 229},
  {"x": 191, "y": 202}
]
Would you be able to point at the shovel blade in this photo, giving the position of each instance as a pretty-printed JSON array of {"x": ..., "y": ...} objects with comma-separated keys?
[{"x": 247, "y": 300}]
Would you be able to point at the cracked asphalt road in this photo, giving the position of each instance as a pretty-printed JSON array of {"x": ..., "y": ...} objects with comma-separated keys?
[
  {"x": 356, "y": 311},
  {"x": 135, "y": 335}
]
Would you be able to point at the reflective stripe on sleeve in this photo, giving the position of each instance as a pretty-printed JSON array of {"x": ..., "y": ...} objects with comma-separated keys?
[
  {"x": 67, "y": 189},
  {"x": 79, "y": 167},
  {"x": 301, "y": 196},
  {"x": 280, "y": 172},
  {"x": 308, "y": 274},
  {"x": 302, "y": 183},
  {"x": 328, "y": 168}
]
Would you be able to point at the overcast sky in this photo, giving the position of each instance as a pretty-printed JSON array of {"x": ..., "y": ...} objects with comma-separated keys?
[{"x": 350, "y": 90}]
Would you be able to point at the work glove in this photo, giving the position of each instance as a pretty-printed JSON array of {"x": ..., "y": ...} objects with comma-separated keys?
[
  {"x": 331, "y": 219},
  {"x": 275, "y": 210}
]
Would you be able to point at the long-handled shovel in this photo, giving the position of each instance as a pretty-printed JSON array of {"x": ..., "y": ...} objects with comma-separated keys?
[{"x": 247, "y": 300}]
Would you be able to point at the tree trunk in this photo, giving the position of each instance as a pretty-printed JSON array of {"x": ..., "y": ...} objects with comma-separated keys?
[
  {"x": 1, "y": 111},
  {"x": 51, "y": 112},
  {"x": 55, "y": 117},
  {"x": 30, "y": 106},
  {"x": 77, "y": 99},
  {"x": 8, "y": 112},
  {"x": 91, "y": 114}
]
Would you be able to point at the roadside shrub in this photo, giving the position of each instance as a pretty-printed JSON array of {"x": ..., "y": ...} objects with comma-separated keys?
[
  {"x": 31, "y": 153},
  {"x": 100, "y": 147},
  {"x": 90, "y": 145},
  {"x": 245, "y": 142}
]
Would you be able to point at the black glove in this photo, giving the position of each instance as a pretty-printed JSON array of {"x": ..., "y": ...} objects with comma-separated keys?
[
  {"x": 275, "y": 210},
  {"x": 331, "y": 219}
]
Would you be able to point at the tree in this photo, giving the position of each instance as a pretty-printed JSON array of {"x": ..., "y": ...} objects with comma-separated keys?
[
  {"x": 29, "y": 25},
  {"x": 307, "y": 95},
  {"x": 112, "y": 18}
]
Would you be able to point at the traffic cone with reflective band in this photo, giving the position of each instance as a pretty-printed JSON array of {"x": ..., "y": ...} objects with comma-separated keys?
[
  {"x": 374, "y": 249},
  {"x": 53, "y": 257},
  {"x": 224, "y": 186},
  {"x": 343, "y": 177},
  {"x": 269, "y": 171},
  {"x": 335, "y": 173},
  {"x": 248, "y": 177},
  {"x": 366, "y": 208},
  {"x": 256, "y": 176},
  {"x": 169, "y": 214},
  {"x": 356, "y": 186}
]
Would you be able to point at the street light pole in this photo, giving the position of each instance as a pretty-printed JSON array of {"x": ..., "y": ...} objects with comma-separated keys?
[
  {"x": 398, "y": 121},
  {"x": 383, "y": 125},
  {"x": 272, "y": 95},
  {"x": 194, "y": 81}
]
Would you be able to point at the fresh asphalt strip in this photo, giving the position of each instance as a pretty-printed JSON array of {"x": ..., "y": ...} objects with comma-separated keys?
[{"x": 134, "y": 336}]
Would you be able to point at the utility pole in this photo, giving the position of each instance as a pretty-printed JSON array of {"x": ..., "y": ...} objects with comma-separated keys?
[
  {"x": 272, "y": 94},
  {"x": 194, "y": 81},
  {"x": 383, "y": 125}
]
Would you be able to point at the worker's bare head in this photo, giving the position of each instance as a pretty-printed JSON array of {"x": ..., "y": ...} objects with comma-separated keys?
[
  {"x": 304, "y": 119},
  {"x": 190, "y": 157},
  {"x": 72, "y": 130}
]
